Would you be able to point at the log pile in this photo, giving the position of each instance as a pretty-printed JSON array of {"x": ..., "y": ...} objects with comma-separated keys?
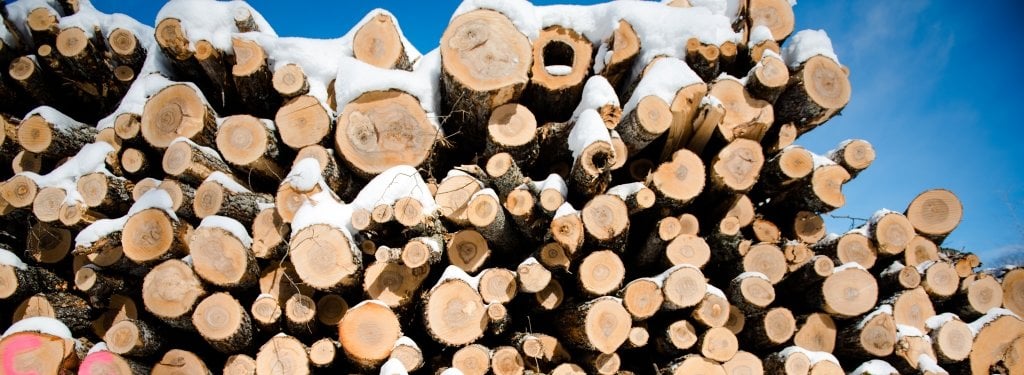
[{"x": 615, "y": 188}]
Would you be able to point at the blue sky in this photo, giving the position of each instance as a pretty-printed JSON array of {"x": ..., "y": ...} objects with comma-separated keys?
[{"x": 935, "y": 90}]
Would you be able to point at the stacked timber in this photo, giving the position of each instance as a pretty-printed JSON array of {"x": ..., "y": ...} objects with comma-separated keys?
[{"x": 612, "y": 189}]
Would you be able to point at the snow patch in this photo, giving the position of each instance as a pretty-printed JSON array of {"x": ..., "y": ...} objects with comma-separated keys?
[
  {"x": 230, "y": 225},
  {"x": 393, "y": 366},
  {"x": 393, "y": 184},
  {"x": 760, "y": 34},
  {"x": 813, "y": 356},
  {"x": 663, "y": 79},
  {"x": 624, "y": 191},
  {"x": 989, "y": 317},
  {"x": 8, "y": 258},
  {"x": 305, "y": 174},
  {"x": 227, "y": 182},
  {"x": 597, "y": 92},
  {"x": 565, "y": 209},
  {"x": 589, "y": 129},
  {"x": 940, "y": 320},
  {"x": 806, "y": 44},
  {"x": 456, "y": 273},
  {"x": 41, "y": 324},
  {"x": 212, "y": 21},
  {"x": 875, "y": 367}
]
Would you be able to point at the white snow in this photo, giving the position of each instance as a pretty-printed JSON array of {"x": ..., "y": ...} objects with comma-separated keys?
[
  {"x": 57, "y": 118},
  {"x": 18, "y": 12},
  {"x": 422, "y": 83},
  {"x": 553, "y": 182},
  {"x": 821, "y": 161},
  {"x": 717, "y": 7},
  {"x": 451, "y": 371},
  {"x": 940, "y": 320},
  {"x": 145, "y": 86},
  {"x": 8, "y": 258},
  {"x": 712, "y": 101},
  {"x": 989, "y": 317},
  {"x": 155, "y": 198},
  {"x": 373, "y": 301},
  {"x": 90, "y": 159},
  {"x": 625, "y": 190},
  {"x": 712, "y": 290},
  {"x": 806, "y": 44},
  {"x": 813, "y": 356},
  {"x": 848, "y": 265},
  {"x": 875, "y": 367},
  {"x": 589, "y": 129},
  {"x": 405, "y": 341},
  {"x": 393, "y": 366},
  {"x": 749, "y": 274},
  {"x": 212, "y": 21},
  {"x": 662, "y": 29},
  {"x": 323, "y": 208},
  {"x": 456, "y": 273},
  {"x": 305, "y": 174},
  {"x": 99, "y": 347},
  {"x": 597, "y": 92},
  {"x": 230, "y": 225},
  {"x": 565, "y": 209},
  {"x": 487, "y": 191},
  {"x": 884, "y": 309},
  {"x": 558, "y": 70},
  {"x": 40, "y": 324},
  {"x": 226, "y": 181},
  {"x": 760, "y": 34},
  {"x": 663, "y": 79},
  {"x": 88, "y": 17},
  {"x": 903, "y": 330},
  {"x": 98, "y": 229},
  {"x": 926, "y": 363},
  {"x": 878, "y": 215},
  {"x": 393, "y": 184}
]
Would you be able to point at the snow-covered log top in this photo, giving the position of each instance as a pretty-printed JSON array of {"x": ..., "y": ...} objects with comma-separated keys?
[
  {"x": 8, "y": 258},
  {"x": 663, "y": 80},
  {"x": 423, "y": 82},
  {"x": 212, "y": 21},
  {"x": 589, "y": 129},
  {"x": 553, "y": 182},
  {"x": 393, "y": 184},
  {"x": 144, "y": 87},
  {"x": 305, "y": 175},
  {"x": 155, "y": 198},
  {"x": 90, "y": 159},
  {"x": 807, "y": 44},
  {"x": 227, "y": 182},
  {"x": 663, "y": 29},
  {"x": 55, "y": 117},
  {"x": 41, "y": 324},
  {"x": 229, "y": 225},
  {"x": 597, "y": 92}
]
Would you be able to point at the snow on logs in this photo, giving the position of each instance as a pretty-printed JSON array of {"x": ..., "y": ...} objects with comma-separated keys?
[{"x": 554, "y": 189}]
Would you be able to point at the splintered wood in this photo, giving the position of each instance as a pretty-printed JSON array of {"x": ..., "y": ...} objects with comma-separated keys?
[{"x": 607, "y": 189}]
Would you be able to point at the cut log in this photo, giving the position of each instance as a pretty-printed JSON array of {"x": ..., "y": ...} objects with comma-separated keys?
[
  {"x": 132, "y": 338},
  {"x": 300, "y": 316},
  {"x": 105, "y": 193},
  {"x": 743, "y": 363},
  {"x": 818, "y": 90},
  {"x": 976, "y": 296},
  {"x": 177, "y": 361},
  {"x": 266, "y": 313},
  {"x": 485, "y": 62},
  {"x": 788, "y": 166},
  {"x": 54, "y": 135},
  {"x": 170, "y": 291},
  {"x": 240, "y": 364},
  {"x": 684, "y": 109},
  {"x": 222, "y": 258},
  {"x": 852, "y": 246},
  {"x": 37, "y": 353},
  {"x": 939, "y": 279},
  {"x": 178, "y": 110},
  {"x": 695, "y": 364},
  {"x": 912, "y": 308},
  {"x": 817, "y": 333},
  {"x": 920, "y": 250},
  {"x": 606, "y": 222},
  {"x": 561, "y": 60},
  {"x": 873, "y": 335},
  {"x": 776, "y": 15},
  {"x": 601, "y": 324},
  {"x": 152, "y": 235},
  {"x": 718, "y": 344},
  {"x": 408, "y": 353},
  {"x": 819, "y": 194},
  {"x": 473, "y": 359},
  {"x": 751, "y": 292},
  {"x": 682, "y": 286},
  {"x": 282, "y": 354},
  {"x": 192, "y": 163},
  {"x": 368, "y": 332},
  {"x": 80, "y": 54},
  {"x": 768, "y": 78},
  {"x": 251, "y": 145},
  {"x": 31, "y": 78},
  {"x": 268, "y": 234},
  {"x": 71, "y": 310},
  {"x": 467, "y": 249},
  {"x": 108, "y": 363},
  {"x": 381, "y": 129},
  {"x": 290, "y": 81},
  {"x": 934, "y": 214},
  {"x": 624, "y": 45},
  {"x": 303, "y": 121},
  {"x": 898, "y": 277},
  {"x": 337, "y": 178},
  {"x": 848, "y": 292},
  {"x": 125, "y": 49},
  {"x": 769, "y": 328},
  {"x": 703, "y": 58},
  {"x": 324, "y": 257},
  {"x": 512, "y": 128},
  {"x": 855, "y": 155},
  {"x": 679, "y": 181},
  {"x": 378, "y": 42},
  {"x": 736, "y": 167},
  {"x": 220, "y": 195},
  {"x": 600, "y": 273},
  {"x": 991, "y": 341},
  {"x": 48, "y": 244},
  {"x": 252, "y": 78},
  {"x": 393, "y": 284},
  {"x": 651, "y": 118}
]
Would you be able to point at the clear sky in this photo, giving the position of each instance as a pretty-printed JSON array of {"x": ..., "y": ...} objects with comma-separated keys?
[{"x": 935, "y": 90}]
